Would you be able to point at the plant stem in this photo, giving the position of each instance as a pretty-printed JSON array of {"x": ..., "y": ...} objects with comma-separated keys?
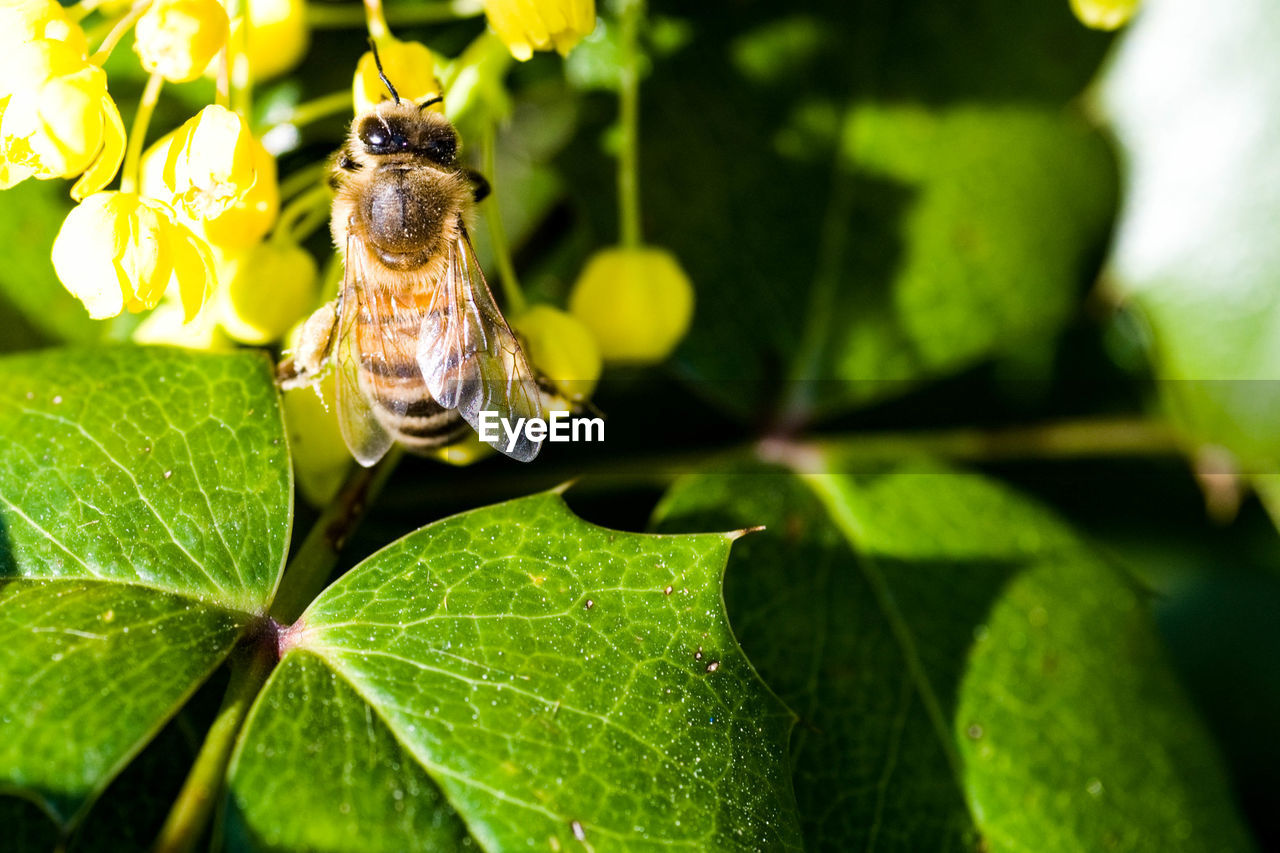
[
  {"x": 302, "y": 180},
  {"x": 301, "y": 210},
  {"x": 815, "y": 338},
  {"x": 129, "y": 172},
  {"x": 240, "y": 80},
  {"x": 848, "y": 453},
  {"x": 250, "y": 665},
  {"x": 119, "y": 30},
  {"x": 376, "y": 19},
  {"x": 334, "y": 103},
  {"x": 308, "y": 571},
  {"x": 629, "y": 120},
  {"x": 82, "y": 10},
  {"x": 515, "y": 301},
  {"x": 1058, "y": 440},
  {"x": 332, "y": 16}
]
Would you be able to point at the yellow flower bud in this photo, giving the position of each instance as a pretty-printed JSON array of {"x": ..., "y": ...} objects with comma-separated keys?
[
  {"x": 178, "y": 38},
  {"x": 210, "y": 163},
  {"x": 562, "y": 349},
  {"x": 23, "y": 21},
  {"x": 466, "y": 451},
  {"x": 320, "y": 456},
  {"x": 1104, "y": 14},
  {"x": 269, "y": 287},
  {"x": 637, "y": 303},
  {"x": 528, "y": 25},
  {"x": 167, "y": 325},
  {"x": 409, "y": 66},
  {"x": 278, "y": 36},
  {"x": 118, "y": 250},
  {"x": 58, "y": 121}
]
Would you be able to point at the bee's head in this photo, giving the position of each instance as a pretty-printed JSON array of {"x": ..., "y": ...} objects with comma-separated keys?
[{"x": 404, "y": 128}]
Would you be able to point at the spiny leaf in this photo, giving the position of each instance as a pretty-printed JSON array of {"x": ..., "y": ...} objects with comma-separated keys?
[
  {"x": 968, "y": 674},
  {"x": 560, "y": 683},
  {"x": 147, "y": 466},
  {"x": 144, "y": 514}
]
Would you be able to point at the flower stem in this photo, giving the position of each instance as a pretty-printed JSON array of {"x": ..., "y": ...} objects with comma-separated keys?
[
  {"x": 629, "y": 118},
  {"x": 308, "y": 571},
  {"x": 250, "y": 665},
  {"x": 83, "y": 9},
  {"x": 138, "y": 133},
  {"x": 333, "y": 16},
  {"x": 376, "y": 19},
  {"x": 119, "y": 30},
  {"x": 299, "y": 217},
  {"x": 316, "y": 109},
  {"x": 240, "y": 80},
  {"x": 515, "y": 301}
]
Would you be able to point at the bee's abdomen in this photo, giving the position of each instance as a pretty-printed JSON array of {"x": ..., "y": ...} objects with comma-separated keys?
[{"x": 393, "y": 382}]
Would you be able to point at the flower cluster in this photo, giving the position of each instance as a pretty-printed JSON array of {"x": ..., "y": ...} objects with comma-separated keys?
[
  {"x": 56, "y": 118},
  {"x": 201, "y": 232}
]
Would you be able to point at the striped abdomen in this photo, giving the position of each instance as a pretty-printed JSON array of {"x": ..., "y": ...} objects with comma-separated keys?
[{"x": 391, "y": 378}]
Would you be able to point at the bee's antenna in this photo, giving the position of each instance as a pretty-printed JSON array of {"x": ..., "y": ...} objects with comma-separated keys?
[
  {"x": 382, "y": 75},
  {"x": 429, "y": 102}
]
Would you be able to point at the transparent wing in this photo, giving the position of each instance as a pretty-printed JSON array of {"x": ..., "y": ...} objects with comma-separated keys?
[
  {"x": 366, "y": 437},
  {"x": 470, "y": 359}
]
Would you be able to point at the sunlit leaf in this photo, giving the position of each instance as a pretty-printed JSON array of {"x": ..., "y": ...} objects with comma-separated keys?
[
  {"x": 144, "y": 513},
  {"x": 556, "y": 681}
]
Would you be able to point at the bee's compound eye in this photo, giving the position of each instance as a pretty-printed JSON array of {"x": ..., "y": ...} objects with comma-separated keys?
[
  {"x": 441, "y": 149},
  {"x": 372, "y": 134}
]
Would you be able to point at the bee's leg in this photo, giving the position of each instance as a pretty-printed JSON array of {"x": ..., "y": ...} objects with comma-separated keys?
[
  {"x": 479, "y": 184},
  {"x": 315, "y": 345}
]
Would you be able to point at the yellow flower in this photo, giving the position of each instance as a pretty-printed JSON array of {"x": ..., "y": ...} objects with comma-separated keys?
[
  {"x": 1104, "y": 14},
  {"x": 409, "y": 66},
  {"x": 268, "y": 288},
  {"x": 118, "y": 250},
  {"x": 251, "y": 217},
  {"x": 178, "y": 38},
  {"x": 209, "y": 166},
  {"x": 637, "y": 303},
  {"x": 528, "y": 25},
  {"x": 22, "y": 21},
  {"x": 277, "y": 38},
  {"x": 167, "y": 325},
  {"x": 562, "y": 349},
  {"x": 58, "y": 120},
  {"x": 240, "y": 225}
]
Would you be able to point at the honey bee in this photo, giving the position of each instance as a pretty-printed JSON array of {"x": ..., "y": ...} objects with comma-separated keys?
[{"x": 417, "y": 342}]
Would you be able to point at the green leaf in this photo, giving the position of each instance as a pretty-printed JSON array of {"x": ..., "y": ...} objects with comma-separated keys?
[
  {"x": 989, "y": 195},
  {"x": 555, "y": 680},
  {"x": 88, "y": 673},
  {"x": 968, "y": 674},
  {"x": 1191, "y": 95},
  {"x": 145, "y": 466},
  {"x": 144, "y": 514},
  {"x": 910, "y": 191}
]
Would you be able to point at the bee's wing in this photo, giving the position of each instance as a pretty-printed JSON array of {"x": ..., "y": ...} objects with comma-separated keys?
[
  {"x": 365, "y": 436},
  {"x": 468, "y": 356}
]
